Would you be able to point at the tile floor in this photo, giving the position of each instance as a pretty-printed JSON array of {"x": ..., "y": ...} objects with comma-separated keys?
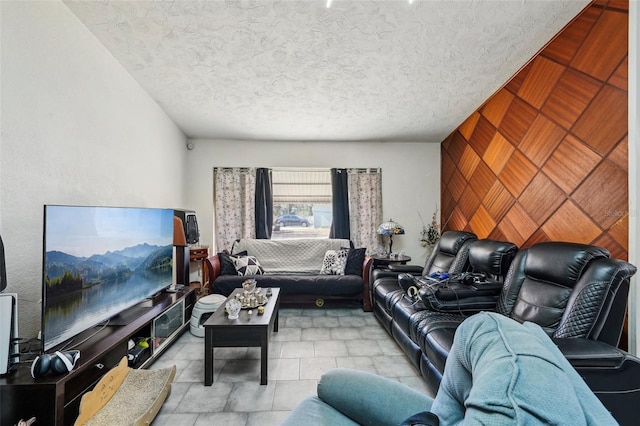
[{"x": 308, "y": 343}]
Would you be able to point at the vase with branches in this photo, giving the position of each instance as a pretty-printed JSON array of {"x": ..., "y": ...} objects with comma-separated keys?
[{"x": 430, "y": 234}]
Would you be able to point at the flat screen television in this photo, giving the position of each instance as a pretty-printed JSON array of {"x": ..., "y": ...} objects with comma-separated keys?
[{"x": 99, "y": 261}]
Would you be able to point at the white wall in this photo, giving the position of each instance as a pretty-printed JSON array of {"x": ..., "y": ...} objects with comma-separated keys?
[
  {"x": 410, "y": 176},
  {"x": 76, "y": 129}
]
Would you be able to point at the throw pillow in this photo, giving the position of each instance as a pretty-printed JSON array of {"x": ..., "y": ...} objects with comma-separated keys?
[
  {"x": 247, "y": 265},
  {"x": 334, "y": 262},
  {"x": 226, "y": 265},
  {"x": 355, "y": 259}
]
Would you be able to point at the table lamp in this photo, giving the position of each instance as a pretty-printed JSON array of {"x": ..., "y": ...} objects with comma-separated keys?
[{"x": 390, "y": 228}]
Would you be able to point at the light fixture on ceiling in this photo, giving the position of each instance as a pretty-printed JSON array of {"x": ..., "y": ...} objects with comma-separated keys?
[{"x": 329, "y": 3}]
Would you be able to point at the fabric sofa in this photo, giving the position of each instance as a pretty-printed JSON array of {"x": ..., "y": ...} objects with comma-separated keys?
[
  {"x": 305, "y": 270},
  {"x": 500, "y": 372},
  {"x": 575, "y": 292}
]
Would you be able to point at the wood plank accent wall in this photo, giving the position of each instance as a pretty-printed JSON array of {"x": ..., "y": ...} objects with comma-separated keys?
[{"x": 545, "y": 158}]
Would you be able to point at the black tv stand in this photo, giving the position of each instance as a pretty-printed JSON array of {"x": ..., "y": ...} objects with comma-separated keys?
[
  {"x": 54, "y": 399},
  {"x": 174, "y": 289},
  {"x": 129, "y": 315}
]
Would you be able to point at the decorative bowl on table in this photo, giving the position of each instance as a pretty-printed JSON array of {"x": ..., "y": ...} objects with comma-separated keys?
[{"x": 249, "y": 285}]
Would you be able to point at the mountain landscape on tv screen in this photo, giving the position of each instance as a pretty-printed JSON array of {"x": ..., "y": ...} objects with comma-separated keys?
[{"x": 66, "y": 273}]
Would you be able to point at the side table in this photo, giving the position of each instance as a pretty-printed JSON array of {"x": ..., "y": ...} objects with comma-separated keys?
[{"x": 199, "y": 254}]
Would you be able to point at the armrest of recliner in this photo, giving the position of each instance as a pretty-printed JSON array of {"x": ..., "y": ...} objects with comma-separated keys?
[
  {"x": 590, "y": 353},
  {"x": 409, "y": 269},
  {"x": 611, "y": 373},
  {"x": 392, "y": 273}
]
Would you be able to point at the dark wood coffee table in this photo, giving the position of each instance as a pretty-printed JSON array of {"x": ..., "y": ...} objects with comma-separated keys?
[{"x": 245, "y": 331}]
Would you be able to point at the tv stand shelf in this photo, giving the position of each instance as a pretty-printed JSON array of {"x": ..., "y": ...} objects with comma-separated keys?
[{"x": 54, "y": 399}]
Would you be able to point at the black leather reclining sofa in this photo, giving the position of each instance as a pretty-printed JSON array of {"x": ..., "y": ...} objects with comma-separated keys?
[{"x": 576, "y": 292}]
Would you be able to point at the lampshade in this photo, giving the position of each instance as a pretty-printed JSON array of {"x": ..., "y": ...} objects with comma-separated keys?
[
  {"x": 390, "y": 228},
  {"x": 179, "y": 239}
]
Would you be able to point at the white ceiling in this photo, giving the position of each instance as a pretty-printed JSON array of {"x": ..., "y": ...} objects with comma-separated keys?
[{"x": 297, "y": 70}]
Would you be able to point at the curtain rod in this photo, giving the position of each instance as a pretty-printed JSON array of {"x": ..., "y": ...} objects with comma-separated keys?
[
  {"x": 242, "y": 169},
  {"x": 305, "y": 169},
  {"x": 365, "y": 170}
]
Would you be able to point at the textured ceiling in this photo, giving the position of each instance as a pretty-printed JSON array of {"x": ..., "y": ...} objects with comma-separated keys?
[{"x": 297, "y": 70}]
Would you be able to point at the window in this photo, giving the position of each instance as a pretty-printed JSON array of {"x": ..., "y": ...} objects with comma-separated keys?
[{"x": 301, "y": 203}]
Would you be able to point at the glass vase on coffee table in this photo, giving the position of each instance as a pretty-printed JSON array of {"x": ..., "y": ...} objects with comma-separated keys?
[{"x": 233, "y": 307}]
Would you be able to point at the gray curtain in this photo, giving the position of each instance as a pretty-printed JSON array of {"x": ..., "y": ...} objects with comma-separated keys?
[
  {"x": 339, "y": 187},
  {"x": 264, "y": 204}
]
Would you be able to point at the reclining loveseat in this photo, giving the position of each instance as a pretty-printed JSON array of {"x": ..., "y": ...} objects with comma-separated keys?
[
  {"x": 451, "y": 255},
  {"x": 575, "y": 292}
]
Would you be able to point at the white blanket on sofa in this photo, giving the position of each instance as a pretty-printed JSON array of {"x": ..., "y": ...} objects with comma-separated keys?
[{"x": 289, "y": 256}]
